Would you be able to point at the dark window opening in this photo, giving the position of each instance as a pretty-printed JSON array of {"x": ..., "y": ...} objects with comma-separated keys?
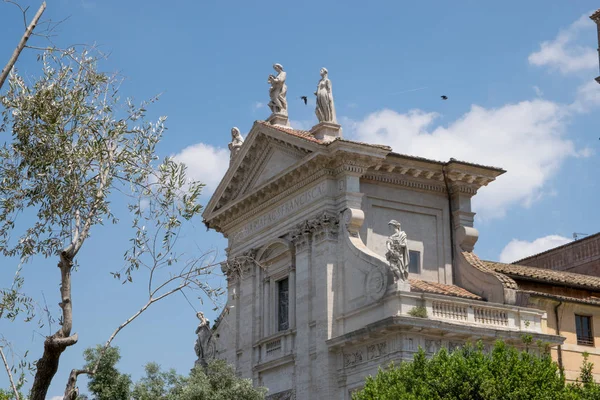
[
  {"x": 283, "y": 304},
  {"x": 583, "y": 325},
  {"x": 415, "y": 261}
]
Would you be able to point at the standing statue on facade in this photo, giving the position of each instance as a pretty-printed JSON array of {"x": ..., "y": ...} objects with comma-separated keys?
[
  {"x": 278, "y": 91},
  {"x": 325, "y": 109},
  {"x": 397, "y": 252},
  {"x": 236, "y": 142},
  {"x": 203, "y": 341}
]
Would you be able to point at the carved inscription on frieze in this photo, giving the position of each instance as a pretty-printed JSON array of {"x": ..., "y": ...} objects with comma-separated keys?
[{"x": 282, "y": 211}]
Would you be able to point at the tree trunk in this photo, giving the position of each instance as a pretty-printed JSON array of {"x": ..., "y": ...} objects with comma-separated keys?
[{"x": 54, "y": 345}]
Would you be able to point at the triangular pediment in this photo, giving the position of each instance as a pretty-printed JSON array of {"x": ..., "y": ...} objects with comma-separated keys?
[
  {"x": 267, "y": 153},
  {"x": 275, "y": 159}
]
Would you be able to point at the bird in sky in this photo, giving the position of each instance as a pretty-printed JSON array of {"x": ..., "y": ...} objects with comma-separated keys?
[
  {"x": 304, "y": 99},
  {"x": 444, "y": 97}
]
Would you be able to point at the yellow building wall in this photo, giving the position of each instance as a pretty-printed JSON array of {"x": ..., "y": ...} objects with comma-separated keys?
[{"x": 572, "y": 353}]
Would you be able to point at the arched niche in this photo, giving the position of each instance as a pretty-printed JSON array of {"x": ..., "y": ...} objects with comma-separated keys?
[{"x": 275, "y": 254}]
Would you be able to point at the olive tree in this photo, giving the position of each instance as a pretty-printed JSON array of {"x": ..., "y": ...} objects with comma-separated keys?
[{"x": 73, "y": 149}]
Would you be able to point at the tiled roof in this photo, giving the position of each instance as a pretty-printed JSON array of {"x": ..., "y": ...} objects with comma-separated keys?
[
  {"x": 452, "y": 160},
  {"x": 418, "y": 285},
  {"x": 309, "y": 136},
  {"x": 584, "y": 300},
  {"x": 379, "y": 146},
  {"x": 507, "y": 281},
  {"x": 545, "y": 275},
  {"x": 294, "y": 132}
]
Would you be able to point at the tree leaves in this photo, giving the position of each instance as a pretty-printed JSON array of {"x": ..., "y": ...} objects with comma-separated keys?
[{"x": 470, "y": 373}]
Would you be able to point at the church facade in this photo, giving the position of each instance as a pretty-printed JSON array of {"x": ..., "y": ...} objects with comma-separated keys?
[{"x": 344, "y": 256}]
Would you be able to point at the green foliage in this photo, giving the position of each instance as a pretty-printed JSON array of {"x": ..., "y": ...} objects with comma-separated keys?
[
  {"x": 418, "y": 311},
  {"x": 74, "y": 146},
  {"x": 74, "y": 149},
  {"x": 470, "y": 373},
  {"x": 8, "y": 394},
  {"x": 158, "y": 384},
  {"x": 107, "y": 383},
  {"x": 219, "y": 382}
]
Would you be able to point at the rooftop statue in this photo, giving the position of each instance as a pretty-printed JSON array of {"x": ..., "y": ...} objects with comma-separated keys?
[
  {"x": 278, "y": 91},
  {"x": 325, "y": 108},
  {"x": 236, "y": 142}
]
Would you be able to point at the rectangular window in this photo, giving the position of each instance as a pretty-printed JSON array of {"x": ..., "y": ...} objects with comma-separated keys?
[
  {"x": 583, "y": 325},
  {"x": 415, "y": 261},
  {"x": 283, "y": 292}
]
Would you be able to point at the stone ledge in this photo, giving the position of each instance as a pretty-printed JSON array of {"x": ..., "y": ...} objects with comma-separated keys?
[
  {"x": 425, "y": 325},
  {"x": 290, "y": 358}
]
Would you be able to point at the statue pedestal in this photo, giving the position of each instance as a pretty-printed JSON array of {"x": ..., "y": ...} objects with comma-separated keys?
[
  {"x": 399, "y": 286},
  {"x": 326, "y": 131},
  {"x": 278, "y": 119}
]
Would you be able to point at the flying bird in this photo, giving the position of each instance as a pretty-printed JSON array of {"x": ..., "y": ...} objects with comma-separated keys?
[
  {"x": 444, "y": 97},
  {"x": 304, "y": 99}
]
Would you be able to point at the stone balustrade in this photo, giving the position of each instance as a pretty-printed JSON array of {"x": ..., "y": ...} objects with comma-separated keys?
[{"x": 477, "y": 313}]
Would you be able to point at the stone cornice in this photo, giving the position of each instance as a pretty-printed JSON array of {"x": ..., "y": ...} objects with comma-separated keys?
[
  {"x": 425, "y": 325},
  {"x": 269, "y": 194},
  {"x": 422, "y": 174},
  {"x": 255, "y": 142},
  {"x": 316, "y": 166}
]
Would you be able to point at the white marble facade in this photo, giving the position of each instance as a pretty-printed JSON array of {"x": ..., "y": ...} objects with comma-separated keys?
[{"x": 313, "y": 307}]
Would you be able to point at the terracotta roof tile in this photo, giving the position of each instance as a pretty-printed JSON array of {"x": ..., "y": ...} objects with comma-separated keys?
[
  {"x": 506, "y": 281},
  {"x": 452, "y": 160},
  {"x": 441, "y": 288},
  {"x": 545, "y": 275},
  {"x": 585, "y": 300},
  {"x": 379, "y": 146},
  {"x": 295, "y": 132}
]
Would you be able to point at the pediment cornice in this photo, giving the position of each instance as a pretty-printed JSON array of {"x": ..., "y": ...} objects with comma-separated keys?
[
  {"x": 255, "y": 151},
  {"x": 319, "y": 164}
]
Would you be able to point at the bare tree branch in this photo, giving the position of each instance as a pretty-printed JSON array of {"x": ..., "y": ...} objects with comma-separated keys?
[
  {"x": 21, "y": 45},
  {"x": 10, "y": 377}
]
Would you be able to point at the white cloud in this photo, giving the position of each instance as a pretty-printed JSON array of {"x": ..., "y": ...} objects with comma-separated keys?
[
  {"x": 563, "y": 53},
  {"x": 205, "y": 163},
  {"x": 56, "y": 398},
  {"x": 518, "y": 249},
  {"x": 258, "y": 105},
  {"x": 527, "y": 139},
  {"x": 587, "y": 98},
  {"x": 538, "y": 91}
]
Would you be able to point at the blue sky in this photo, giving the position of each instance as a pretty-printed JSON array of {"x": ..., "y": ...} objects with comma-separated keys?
[{"x": 519, "y": 77}]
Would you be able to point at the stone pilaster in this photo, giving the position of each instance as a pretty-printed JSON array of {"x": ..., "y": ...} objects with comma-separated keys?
[
  {"x": 325, "y": 243},
  {"x": 301, "y": 238}
]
